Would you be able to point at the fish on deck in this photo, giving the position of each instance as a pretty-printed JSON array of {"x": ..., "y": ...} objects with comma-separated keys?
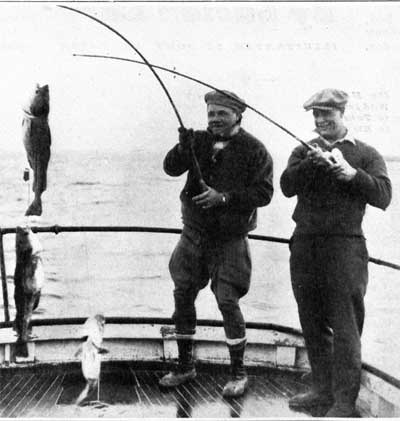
[
  {"x": 28, "y": 282},
  {"x": 37, "y": 141},
  {"x": 90, "y": 352}
]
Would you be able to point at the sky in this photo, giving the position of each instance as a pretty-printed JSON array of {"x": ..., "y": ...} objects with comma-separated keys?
[{"x": 273, "y": 55}]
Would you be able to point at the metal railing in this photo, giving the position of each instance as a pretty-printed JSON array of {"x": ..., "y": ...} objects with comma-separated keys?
[{"x": 56, "y": 229}]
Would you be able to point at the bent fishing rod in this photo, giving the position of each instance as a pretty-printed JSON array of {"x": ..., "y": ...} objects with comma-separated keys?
[
  {"x": 208, "y": 85},
  {"x": 196, "y": 166}
]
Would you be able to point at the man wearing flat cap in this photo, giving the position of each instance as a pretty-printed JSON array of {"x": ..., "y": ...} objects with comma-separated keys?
[
  {"x": 219, "y": 208},
  {"x": 334, "y": 180}
]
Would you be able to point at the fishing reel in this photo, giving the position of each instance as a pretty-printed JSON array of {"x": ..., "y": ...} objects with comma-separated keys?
[{"x": 327, "y": 157}]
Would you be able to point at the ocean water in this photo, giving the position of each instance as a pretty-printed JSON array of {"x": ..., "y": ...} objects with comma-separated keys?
[{"x": 126, "y": 274}]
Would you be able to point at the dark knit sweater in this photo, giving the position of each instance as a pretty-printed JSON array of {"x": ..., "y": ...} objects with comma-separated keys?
[
  {"x": 242, "y": 170},
  {"x": 326, "y": 205}
]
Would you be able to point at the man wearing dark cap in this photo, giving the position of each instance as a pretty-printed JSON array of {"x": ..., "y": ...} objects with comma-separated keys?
[
  {"x": 217, "y": 215},
  {"x": 334, "y": 181}
]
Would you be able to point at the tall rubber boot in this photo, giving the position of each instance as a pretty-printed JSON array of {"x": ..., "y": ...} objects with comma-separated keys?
[
  {"x": 185, "y": 369},
  {"x": 238, "y": 382}
]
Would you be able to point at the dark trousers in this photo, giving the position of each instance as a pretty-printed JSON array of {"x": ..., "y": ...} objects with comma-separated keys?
[
  {"x": 329, "y": 280},
  {"x": 197, "y": 259}
]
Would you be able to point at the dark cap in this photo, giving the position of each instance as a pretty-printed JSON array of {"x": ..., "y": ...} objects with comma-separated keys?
[
  {"x": 327, "y": 99},
  {"x": 226, "y": 99}
]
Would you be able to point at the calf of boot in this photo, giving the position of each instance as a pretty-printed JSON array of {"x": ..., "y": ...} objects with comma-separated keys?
[
  {"x": 185, "y": 369},
  {"x": 238, "y": 382}
]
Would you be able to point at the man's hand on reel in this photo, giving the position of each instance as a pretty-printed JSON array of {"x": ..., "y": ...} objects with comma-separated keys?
[
  {"x": 333, "y": 161},
  {"x": 341, "y": 169},
  {"x": 319, "y": 157}
]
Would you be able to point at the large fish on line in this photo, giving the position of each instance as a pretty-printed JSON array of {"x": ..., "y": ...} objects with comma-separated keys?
[
  {"x": 28, "y": 282},
  {"x": 90, "y": 352},
  {"x": 37, "y": 141}
]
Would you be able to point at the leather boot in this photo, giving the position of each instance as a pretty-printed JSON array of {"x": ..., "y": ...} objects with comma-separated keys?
[
  {"x": 320, "y": 393},
  {"x": 185, "y": 369},
  {"x": 311, "y": 399},
  {"x": 238, "y": 382},
  {"x": 341, "y": 410}
]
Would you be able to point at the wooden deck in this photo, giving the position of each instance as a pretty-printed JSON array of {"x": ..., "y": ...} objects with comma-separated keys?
[{"x": 129, "y": 391}]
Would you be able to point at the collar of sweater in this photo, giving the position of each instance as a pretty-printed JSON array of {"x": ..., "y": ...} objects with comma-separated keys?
[{"x": 349, "y": 137}]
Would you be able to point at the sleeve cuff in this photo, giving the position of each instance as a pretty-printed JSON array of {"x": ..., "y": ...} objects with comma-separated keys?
[{"x": 360, "y": 179}]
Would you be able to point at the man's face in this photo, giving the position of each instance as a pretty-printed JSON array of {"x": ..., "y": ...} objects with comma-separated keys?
[
  {"x": 329, "y": 123},
  {"x": 221, "y": 120}
]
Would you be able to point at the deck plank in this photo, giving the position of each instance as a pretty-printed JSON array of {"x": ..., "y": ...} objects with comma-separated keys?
[
  {"x": 22, "y": 400},
  {"x": 14, "y": 394},
  {"x": 281, "y": 385},
  {"x": 122, "y": 392},
  {"x": 185, "y": 402},
  {"x": 47, "y": 401},
  {"x": 27, "y": 405},
  {"x": 181, "y": 405},
  {"x": 130, "y": 392},
  {"x": 258, "y": 396},
  {"x": 153, "y": 389},
  {"x": 200, "y": 385},
  {"x": 53, "y": 397},
  {"x": 7, "y": 383},
  {"x": 8, "y": 391},
  {"x": 275, "y": 400},
  {"x": 216, "y": 383}
]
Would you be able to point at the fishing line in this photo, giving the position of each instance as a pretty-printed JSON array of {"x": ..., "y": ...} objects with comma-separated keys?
[
  {"x": 208, "y": 85},
  {"x": 89, "y": 276},
  {"x": 136, "y": 50},
  {"x": 196, "y": 165}
]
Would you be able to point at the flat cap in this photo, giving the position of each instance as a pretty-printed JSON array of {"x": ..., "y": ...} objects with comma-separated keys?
[
  {"x": 226, "y": 99},
  {"x": 327, "y": 99}
]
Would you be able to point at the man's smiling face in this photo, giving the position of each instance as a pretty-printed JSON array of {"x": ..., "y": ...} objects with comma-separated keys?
[
  {"x": 329, "y": 123},
  {"x": 221, "y": 120}
]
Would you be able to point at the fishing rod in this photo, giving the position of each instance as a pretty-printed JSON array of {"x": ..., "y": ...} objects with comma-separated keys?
[
  {"x": 175, "y": 72},
  {"x": 196, "y": 166}
]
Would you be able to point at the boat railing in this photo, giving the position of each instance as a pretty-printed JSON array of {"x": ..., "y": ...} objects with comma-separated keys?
[
  {"x": 284, "y": 348},
  {"x": 56, "y": 229}
]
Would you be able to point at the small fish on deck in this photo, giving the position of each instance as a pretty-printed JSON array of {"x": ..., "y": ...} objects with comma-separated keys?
[
  {"x": 28, "y": 282},
  {"x": 37, "y": 141},
  {"x": 90, "y": 352}
]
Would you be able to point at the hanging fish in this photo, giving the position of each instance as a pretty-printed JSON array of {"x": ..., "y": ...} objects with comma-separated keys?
[
  {"x": 28, "y": 282},
  {"x": 37, "y": 141},
  {"x": 90, "y": 352}
]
